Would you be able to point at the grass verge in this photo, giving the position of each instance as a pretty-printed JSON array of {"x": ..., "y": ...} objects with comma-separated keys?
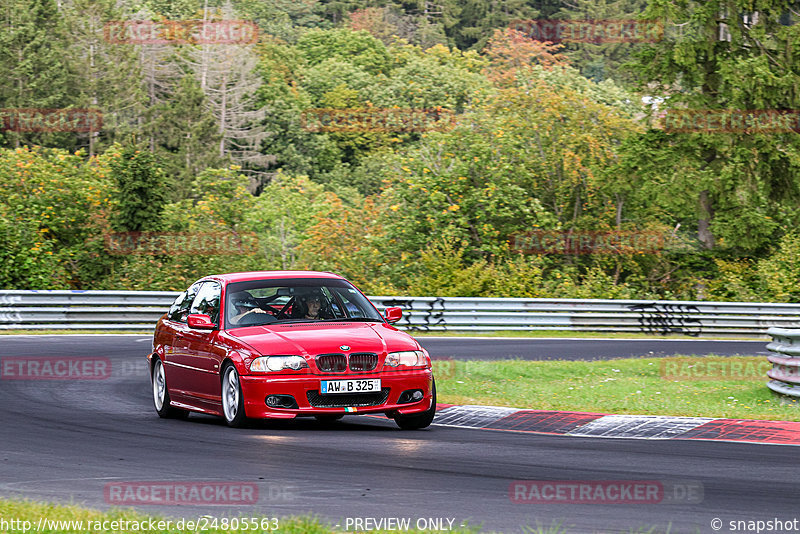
[
  {"x": 76, "y": 519},
  {"x": 582, "y": 335},
  {"x": 700, "y": 386}
]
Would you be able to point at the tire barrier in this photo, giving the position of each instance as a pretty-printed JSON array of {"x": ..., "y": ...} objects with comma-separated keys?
[{"x": 785, "y": 358}]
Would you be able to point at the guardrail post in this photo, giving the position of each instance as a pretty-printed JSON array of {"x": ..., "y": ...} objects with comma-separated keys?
[{"x": 785, "y": 372}]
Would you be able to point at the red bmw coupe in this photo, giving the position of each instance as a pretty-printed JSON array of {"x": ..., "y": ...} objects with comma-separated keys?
[{"x": 283, "y": 344}]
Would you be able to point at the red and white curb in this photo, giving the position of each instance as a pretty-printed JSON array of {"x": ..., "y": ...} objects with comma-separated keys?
[{"x": 618, "y": 426}]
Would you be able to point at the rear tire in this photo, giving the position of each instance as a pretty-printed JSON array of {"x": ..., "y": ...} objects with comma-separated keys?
[
  {"x": 232, "y": 399},
  {"x": 161, "y": 394},
  {"x": 417, "y": 421}
]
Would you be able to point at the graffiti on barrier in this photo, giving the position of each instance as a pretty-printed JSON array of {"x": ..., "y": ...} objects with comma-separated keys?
[
  {"x": 11, "y": 317},
  {"x": 9, "y": 300},
  {"x": 433, "y": 316},
  {"x": 668, "y": 319}
]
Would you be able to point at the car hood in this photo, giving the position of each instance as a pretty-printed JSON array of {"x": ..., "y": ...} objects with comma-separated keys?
[{"x": 310, "y": 339}]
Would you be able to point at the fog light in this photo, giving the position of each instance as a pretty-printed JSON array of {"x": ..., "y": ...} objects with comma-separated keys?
[
  {"x": 410, "y": 395},
  {"x": 281, "y": 401}
]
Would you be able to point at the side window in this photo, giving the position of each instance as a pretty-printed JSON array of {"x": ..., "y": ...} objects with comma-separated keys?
[
  {"x": 207, "y": 301},
  {"x": 180, "y": 310},
  {"x": 175, "y": 305},
  {"x": 353, "y": 310}
]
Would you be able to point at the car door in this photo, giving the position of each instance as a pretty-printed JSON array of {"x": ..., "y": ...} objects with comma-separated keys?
[
  {"x": 175, "y": 351},
  {"x": 201, "y": 357}
]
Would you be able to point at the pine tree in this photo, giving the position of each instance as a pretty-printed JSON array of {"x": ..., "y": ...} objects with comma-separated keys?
[
  {"x": 228, "y": 77},
  {"x": 106, "y": 75},
  {"x": 187, "y": 135},
  {"x": 143, "y": 191},
  {"x": 477, "y": 19},
  {"x": 739, "y": 187},
  {"x": 33, "y": 73},
  {"x": 600, "y": 61}
]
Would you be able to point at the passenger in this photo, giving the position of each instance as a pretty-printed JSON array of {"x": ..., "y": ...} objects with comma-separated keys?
[{"x": 312, "y": 305}]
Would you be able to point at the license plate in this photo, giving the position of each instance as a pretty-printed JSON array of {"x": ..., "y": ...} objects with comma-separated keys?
[{"x": 330, "y": 387}]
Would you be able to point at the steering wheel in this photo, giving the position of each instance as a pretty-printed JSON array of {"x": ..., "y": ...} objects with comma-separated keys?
[{"x": 273, "y": 309}]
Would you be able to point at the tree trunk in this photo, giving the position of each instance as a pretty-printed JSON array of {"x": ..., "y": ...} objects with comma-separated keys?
[
  {"x": 223, "y": 115},
  {"x": 704, "y": 223}
]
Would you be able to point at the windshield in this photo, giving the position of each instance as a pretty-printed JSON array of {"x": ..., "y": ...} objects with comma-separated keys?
[{"x": 295, "y": 300}]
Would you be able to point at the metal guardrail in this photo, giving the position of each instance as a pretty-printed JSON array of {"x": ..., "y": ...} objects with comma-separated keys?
[
  {"x": 83, "y": 310},
  {"x": 785, "y": 358},
  {"x": 139, "y": 311}
]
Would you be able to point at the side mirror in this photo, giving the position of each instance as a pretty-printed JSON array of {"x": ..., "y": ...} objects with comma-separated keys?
[
  {"x": 200, "y": 322},
  {"x": 393, "y": 314}
]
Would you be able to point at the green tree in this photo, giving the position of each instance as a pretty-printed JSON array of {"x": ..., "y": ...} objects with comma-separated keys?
[
  {"x": 187, "y": 135},
  {"x": 52, "y": 212},
  {"x": 282, "y": 215},
  {"x": 280, "y": 18},
  {"x": 142, "y": 191},
  {"x": 33, "y": 73},
  {"x": 106, "y": 76},
  {"x": 358, "y": 48},
  {"x": 602, "y": 61},
  {"x": 739, "y": 188},
  {"x": 437, "y": 77},
  {"x": 477, "y": 20},
  {"x": 284, "y": 95}
]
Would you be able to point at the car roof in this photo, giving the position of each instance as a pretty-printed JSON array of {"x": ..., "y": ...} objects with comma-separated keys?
[{"x": 267, "y": 275}]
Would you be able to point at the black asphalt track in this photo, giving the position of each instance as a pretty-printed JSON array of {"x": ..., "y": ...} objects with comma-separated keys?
[{"x": 65, "y": 440}]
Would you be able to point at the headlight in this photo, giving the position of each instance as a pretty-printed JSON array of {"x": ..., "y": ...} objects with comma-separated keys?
[
  {"x": 408, "y": 358},
  {"x": 277, "y": 363}
]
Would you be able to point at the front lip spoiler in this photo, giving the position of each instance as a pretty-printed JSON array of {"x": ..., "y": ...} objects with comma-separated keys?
[
  {"x": 309, "y": 373},
  {"x": 389, "y": 410}
]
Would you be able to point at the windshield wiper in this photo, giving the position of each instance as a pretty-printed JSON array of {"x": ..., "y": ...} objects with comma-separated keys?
[
  {"x": 359, "y": 319},
  {"x": 339, "y": 320}
]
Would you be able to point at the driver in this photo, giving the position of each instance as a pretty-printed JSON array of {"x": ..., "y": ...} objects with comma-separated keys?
[{"x": 245, "y": 304}]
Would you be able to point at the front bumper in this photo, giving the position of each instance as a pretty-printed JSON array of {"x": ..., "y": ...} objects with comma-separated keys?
[{"x": 256, "y": 388}]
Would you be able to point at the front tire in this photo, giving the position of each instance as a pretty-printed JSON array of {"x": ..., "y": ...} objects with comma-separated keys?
[
  {"x": 417, "y": 421},
  {"x": 232, "y": 399},
  {"x": 161, "y": 394}
]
